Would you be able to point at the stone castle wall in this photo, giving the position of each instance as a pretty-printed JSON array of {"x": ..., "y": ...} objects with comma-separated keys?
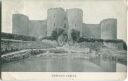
[
  {"x": 38, "y": 28},
  {"x": 91, "y": 31},
  {"x": 69, "y": 19},
  {"x": 23, "y": 26},
  {"x": 107, "y": 29},
  {"x": 20, "y": 24}
]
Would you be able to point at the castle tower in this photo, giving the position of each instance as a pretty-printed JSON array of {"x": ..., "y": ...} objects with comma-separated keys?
[
  {"x": 56, "y": 18},
  {"x": 75, "y": 19},
  {"x": 20, "y": 24},
  {"x": 109, "y": 29}
]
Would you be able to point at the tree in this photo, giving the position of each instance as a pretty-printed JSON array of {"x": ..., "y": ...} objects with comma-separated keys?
[
  {"x": 57, "y": 32},
  {"x": 60, "y": 35},
  {"x": 75, "y": 34}
]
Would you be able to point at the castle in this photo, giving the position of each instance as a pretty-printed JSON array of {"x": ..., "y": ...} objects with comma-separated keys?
[{"x": 68, "y": 19}]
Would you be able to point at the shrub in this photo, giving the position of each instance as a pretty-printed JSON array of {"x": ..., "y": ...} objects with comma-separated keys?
[
  {"x": 57, "y": 32},
  {"x": 75, "y": 34}
]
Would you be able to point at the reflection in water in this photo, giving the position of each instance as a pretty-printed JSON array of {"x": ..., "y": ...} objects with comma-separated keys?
[{"x": 61, "y": 63}]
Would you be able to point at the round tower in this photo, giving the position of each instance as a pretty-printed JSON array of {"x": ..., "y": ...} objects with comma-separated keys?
[
  {"x": 56, "y": 18},
  {"x": 20, "y": 24},
  {"x": 75, "y": 19},
  {"x": 109, "y": 29}
]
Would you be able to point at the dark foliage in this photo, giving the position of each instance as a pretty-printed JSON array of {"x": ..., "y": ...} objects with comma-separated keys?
[
  {"x": 103, "y": 40},
  {"x": 82, "y": 39},
  {"x": 75, "y": 34},
  {"x": 17, "y": 37},
  {"x": 49, "y": 38},
  {"x": 57, "y": 32}
]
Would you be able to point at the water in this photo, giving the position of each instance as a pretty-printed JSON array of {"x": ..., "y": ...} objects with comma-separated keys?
[{"x": 72, "y": 62}]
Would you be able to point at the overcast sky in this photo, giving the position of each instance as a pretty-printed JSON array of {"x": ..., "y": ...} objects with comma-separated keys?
[{"x": 93, "y": 11}]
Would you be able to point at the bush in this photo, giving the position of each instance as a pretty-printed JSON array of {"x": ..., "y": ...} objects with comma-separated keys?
[
  {"x": 57, "y": 32},
  {"x": 75, "y": 34}
]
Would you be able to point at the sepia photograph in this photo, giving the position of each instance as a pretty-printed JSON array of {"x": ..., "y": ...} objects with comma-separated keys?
[{"x": 63, "y": 36}]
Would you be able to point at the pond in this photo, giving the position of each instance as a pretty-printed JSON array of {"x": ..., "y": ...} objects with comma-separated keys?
[{"x": 66, "y": 62}]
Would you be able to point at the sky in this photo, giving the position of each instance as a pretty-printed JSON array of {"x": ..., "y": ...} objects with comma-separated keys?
[{"x": 94, "y": 11}]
